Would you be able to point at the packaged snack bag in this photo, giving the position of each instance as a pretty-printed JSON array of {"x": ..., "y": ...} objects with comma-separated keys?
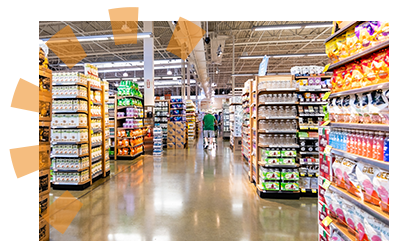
[
  {"x": 342, "y": 47},
  {"x": 374, "y": 26},
  {"x": 328, "y": 198},
  {"x": 354, "y": 108},
  {"x": 333, "y": 81},
  {"x": 381, "y": 33},
  {"x": 338, "y": 109},
  {"x": 369, "y": 74},
  {"x": 365, "y": 175},
  {"x": 356, "y": 76},
  {"x": 378, "y": 106},
  {"x": 338, "y": 173},
  {"x": 381, "y": 184},
  {"x": 380, "y": 66},
  {"x": 337, "y": 203},
  {"x": 350, "y": 178},
  {"x": 384, "y": 113},
  {"x": 364, "y": 33},
  {"x": 346, "y": 110},
  {"x": 373, "y": 228},
  {"x": 347, "y": 77},
  {"x": 348, "y": 210},
  {"x": 359, "y": 215},
  {"x": 364, "y": 108},
  {"x": 352, "y": 43},
  {"x": 340, "y": 79},
  {"x": 331, "y": 109}
]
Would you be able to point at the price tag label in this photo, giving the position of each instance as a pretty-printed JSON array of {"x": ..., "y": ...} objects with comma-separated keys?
[
  {"x": 313, "y": 190},
  {"x": 325, "y": 124},
  {"x": 326, "y": 184},
  {"x": 302, "y": 174},
  {"x": 328, "y": 149},
  {"x": 303, "y": 190},
  {"x": 326, "y": 68},
  {"x": 327, "y": 221},
  {"x": 326, "y": 96}
]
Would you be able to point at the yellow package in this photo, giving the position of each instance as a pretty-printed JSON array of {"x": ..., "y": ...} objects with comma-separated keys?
[
  {"x": 332, "y": 51},
  {"x": 342, "y": 47},
  {"x": 382, "y": 32},
  {"x": 352, "y": 43},
  {"x": 356, "y": 76}
]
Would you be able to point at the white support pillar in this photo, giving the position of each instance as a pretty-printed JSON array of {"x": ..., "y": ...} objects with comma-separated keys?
[
  {"x": 148, "y": 65},
  {"x": 183, "y": 79},
  {"x": 188, "y": 81},
  {"x": 233, "y": 65}
]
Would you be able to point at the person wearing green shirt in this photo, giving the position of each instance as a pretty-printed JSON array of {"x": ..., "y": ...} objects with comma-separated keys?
[{"x": 209, "y": 122}]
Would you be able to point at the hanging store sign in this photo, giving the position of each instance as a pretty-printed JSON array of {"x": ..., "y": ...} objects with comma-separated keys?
[{"x": 262, "y": 70}]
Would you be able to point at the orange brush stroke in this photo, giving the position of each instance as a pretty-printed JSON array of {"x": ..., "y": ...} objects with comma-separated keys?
[
  {"x": 124, "y": 23},
  {"x": 25, "y": 160},
  {"x": 25, "y": 97}
]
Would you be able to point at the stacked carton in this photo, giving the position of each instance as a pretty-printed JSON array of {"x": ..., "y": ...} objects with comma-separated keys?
[{"x": 177, "y": 136}]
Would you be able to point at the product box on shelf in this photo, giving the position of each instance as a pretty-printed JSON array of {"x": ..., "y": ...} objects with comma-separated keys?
[
  {"x": 180, "y": 139},
  {"x": 171, "y": 145},
  {"x": 171, "y": 126},
  {"x": 44, "y": 230},
  {"x": 180, "y": 131},
  {"x": 180, "y": 125},
  {"x": 44, "y": 181},
  {"x": 325, "y": 165},
  {"x": 180, "y": 145},
  {"x": 171, "y": 138},
  {"x": 44, "y": 157},
  {"x": 44, "y": 203}
]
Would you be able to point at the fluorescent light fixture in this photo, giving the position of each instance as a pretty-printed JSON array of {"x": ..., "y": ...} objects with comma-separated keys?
[
  {"x": 101, "y": 37},
  {"x": 292, "y": 26},
  {"x": 280, "y": 56},
  {"x": 293, "y": 55},
  {"x": 174, "y": 78},
  {"x": 276, "y": 27}
]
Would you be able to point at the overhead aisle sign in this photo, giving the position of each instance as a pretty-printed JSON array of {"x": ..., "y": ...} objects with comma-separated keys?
[{"x": 262, "y": 70}]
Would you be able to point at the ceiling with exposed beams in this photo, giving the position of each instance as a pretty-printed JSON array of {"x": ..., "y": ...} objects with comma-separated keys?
[{"x": 247, "y": 42}]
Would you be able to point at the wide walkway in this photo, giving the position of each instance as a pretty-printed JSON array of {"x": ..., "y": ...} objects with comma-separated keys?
[{"x": 191, "y": 194}]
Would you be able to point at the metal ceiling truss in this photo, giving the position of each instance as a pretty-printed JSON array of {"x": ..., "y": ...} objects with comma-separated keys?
[{"x": 268, "y": 42}]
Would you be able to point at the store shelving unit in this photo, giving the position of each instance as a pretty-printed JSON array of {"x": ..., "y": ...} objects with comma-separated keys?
[
  {"x": 310, "y": 114},
  {"x": 161, "y": 114},
  {"x": 191, "y": 121},
  {"x": 111, "y": 104},
  {"x": 259, "y": 165},
  {"x": 177, "y": 116},
  {"x": 82, "y": 158},
  {"x": 236, "y": 120},
  {"x": 327, "y": 181},
  {"x": 225, "y": 118},
  {"x": 45, "y": 106},
  {"x": 246, "y": 128},
  {"x": 138, "y": 129}
]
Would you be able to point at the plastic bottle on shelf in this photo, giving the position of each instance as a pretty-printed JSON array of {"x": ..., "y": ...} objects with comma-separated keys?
[
  {"x": 374, "y": 142},
  {"x": 359, "y": 143},
  {"x": 379, "y": 147},
  {"x": 345, "y": 139},
  {"x": 369, "y": 144},
  {"x": 350, "y": 141},
  {"x": 364, "y": 144},
  {"x": 386, "y": 148}
]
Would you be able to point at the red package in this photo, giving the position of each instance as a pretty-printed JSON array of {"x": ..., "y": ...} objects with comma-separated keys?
[
  {"x": 381, "y": 183},
  {"x": 365, "y": 175},
  {"x": 350, "y": 178}
]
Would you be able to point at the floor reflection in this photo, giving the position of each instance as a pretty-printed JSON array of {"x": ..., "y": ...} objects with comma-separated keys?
[{"x": 192, "y": 194}]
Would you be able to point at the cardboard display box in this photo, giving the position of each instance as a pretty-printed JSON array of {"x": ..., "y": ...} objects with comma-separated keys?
[
  {"x": 44, "y": 203},
  {"x": 180, "y": 145},
  {"x": 44, "y": 230},
  {"x": 44, "y": 181},
  {"x": 171, "y": 145},
  {"x": 44, "y": 157}
]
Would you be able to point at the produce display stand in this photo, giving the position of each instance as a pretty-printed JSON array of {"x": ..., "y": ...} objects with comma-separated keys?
[
  {"x": 92, "y": 172},
  {"x": 328, "y": 224},
  {"x": 257, "y": 163},
  {"x": 45, "y": 105}
]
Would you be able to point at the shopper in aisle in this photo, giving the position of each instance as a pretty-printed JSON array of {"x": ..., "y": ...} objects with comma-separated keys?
[{"x": 209, "y": 123}]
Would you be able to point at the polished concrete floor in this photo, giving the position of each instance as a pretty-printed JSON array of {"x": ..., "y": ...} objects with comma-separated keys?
[{"x": 191, "y": 194}]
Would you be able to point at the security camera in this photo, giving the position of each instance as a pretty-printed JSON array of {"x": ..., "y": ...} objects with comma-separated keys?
[{"x": 207, "y": 40}]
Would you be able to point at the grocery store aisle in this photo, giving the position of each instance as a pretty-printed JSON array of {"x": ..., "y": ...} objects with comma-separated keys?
[{"x": 192, "y": 194}]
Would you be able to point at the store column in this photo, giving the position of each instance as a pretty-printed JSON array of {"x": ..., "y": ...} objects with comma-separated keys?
[
  {"x": 183, "y": 79},
  {"x": 188, "y": 81},
  {"x": 148, "y": 66}
]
